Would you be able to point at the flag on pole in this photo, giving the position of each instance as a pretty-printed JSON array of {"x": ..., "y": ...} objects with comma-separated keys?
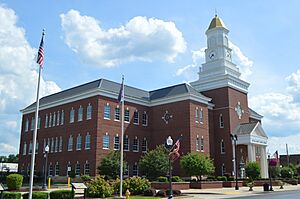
[
  {"x": 121, "y": 93},
  {"x": 40, "y": 58},
  {"x": 174, "y": 154},
  {"x": 274, "y": 159}
]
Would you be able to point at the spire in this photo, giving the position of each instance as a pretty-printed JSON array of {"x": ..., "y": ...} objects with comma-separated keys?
[{"x": 216, "y": 22}]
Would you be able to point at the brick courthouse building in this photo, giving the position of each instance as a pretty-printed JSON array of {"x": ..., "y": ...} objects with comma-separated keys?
[{"x": 81, "y": 125}]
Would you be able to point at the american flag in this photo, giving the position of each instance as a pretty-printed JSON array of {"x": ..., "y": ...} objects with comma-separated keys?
[
  {"x": 121, "y": 93},
  {"x": 174, "y": 155},
  {"x": 274, "y": 159},
  {"x": 40, "y": 58}
]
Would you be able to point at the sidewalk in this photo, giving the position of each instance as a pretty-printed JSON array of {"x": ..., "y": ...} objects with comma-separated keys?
[{"x": 231, "y": 192}]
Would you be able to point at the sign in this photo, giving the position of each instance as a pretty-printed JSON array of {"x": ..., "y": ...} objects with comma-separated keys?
[
  {"x": 69, "y": 168},
  {"x": 78, "y": 185},
  {"x": 1, "y": 187}
]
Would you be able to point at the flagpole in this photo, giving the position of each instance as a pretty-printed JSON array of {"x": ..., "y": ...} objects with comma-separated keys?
[
  {"x": 35, "y": 130},
  {"x": 122, "y": 136}
]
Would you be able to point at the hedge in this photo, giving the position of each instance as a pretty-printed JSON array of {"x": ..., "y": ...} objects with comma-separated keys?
[
  {"x": 60, "y": 194},
  {"x": 11, "y": 195},
  {"x": 14, "y": 181},
  {"x": 36, "y": 195}
]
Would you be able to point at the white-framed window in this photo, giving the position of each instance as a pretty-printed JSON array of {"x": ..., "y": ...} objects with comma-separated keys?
[
  {"x": 46, "y": 121},
  {"x": 196, "y": 115},
  {"x": 80, "y": 112},
  {"x": 36, "y": 147},
  {"x": 32, "y": 123},
  {"x": 86, "y": 168},
  {"x": 52, "y": 145},
  {"x": 62, "y": 117},
  {"x": 88, "y": 141},
  {"x": 135, "y": 169},
  {"x": 127, "y": 115},
  {"x": 24, "y": 148},
  {"x": 222, "y": 147},
  {"x": 77, "y": 169},
  {"x": 56, "y": 169},
  {"x": 135, "y": 145},
  {"x": 27, "y": 125},
  {"x": 69, "y": 169},
  {"x": 221, "y": 121},
  {"x": 60, "y": 143},
  {"x": 105, "y": 141},
  {"x": 126, "y": 143},
  {"x": 223, "y": 169},
  {"x": 197, "y": 143},
  {"x": 72, "y": 113},
  {"x": 30, "y": 148},
  {"x": 54, "y": 119},
  {"x": 50, "y": 120},
  {"x": 78, "y": 144},
  {"x": 201, "y": 116},
  {"x": 39, "y": 123},
  {"x": 58, "y": 118},
  {"x": 116, "y": 142},
  {"x": 70, "y": 143},
  {"x": 107, "y": 111},
  {"x": 44, "y": 145},
  {"x": 126, "y": 170},
  {"x": 117, "y": 113},
  {"x": 50, "y": 169},
  {"x": 144, "y": 145},
  {"x": 89, "y": 109},
  {"x": 145, "y": 119},
  {"x": 56, "y": 144},
  {"x": 136, "y": 117},
  {"x": 202, "y": 144}
]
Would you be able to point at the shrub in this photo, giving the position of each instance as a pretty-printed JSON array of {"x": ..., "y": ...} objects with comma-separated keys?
[
  {"x": 85, "y": 178},
  {"x": 175, "y": 192},
  {"x": 11, "y": 195},
  {"x": 176, "y": 179},
  {"x": 211, "y": 178},
  {"x": 287, "y": 172},
  {"x": 230, "y": 178},
  {"x": 162, "y": 179},
  {"x": 61, "y": 194},
  {"x": 149, "y": 192},
  {"x": 14, "y": 181},
  {"x": 36, "y": 195},
  {"x": 99, "y": 187},
  {"x": 222, "y": 178},
  {"x": 161, "y": 193},
  {"x": 252, "y": 170},
  {"x": 136, "y": 185}
]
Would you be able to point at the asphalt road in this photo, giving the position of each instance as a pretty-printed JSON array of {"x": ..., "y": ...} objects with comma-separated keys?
[{"x": 276, "y": 195}]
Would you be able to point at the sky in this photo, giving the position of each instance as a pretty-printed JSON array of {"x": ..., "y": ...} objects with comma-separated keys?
[{"x": 154, "y": 44}]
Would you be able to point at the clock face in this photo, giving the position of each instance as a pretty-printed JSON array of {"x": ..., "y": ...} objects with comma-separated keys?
[{"x": 212, "y": 55}]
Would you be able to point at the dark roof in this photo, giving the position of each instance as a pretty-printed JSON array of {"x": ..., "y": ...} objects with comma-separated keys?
[
  {"x": 254, "y": 114},
  {"x": 244, "y": 129}
]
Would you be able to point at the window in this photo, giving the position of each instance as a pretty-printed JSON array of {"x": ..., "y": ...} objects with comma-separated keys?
[
  {"x": 116, "y": 142},
  {"x": 77, "y": 169},
  {"x": 56, "y": 144},
  {"x": 117, "y": 114},
  {"x": 135, "y": 171},
  {"x": 46, "y": 121},
  {"x": 39, "y": 123},
  {"x": 221, "y": 121},
  {"x": 222, "y": 147},
  {"x": 72, "y": 112},
  {"x": 24, "y": 148},
  {"x": 223, "y": 169},
  {"x": 136, "y": 117},
  {"x": 135, "y": 146},
  {"x": 107, "y": 111},
  {"x": 50, "y": 169},
  {"x": 126, "y": 170},
  {"x": 202, "y": 143},
  {"x": 54, "y": 119},
  {"x": 87, "y": 141},
  {"x": 70, "y": 143},
  {"x": 32, "y": 124},
  {"x": 60, "y": 144},
  {"x": 126, "y": 143},
  {"x": 26, "y": 125},
  {"x": 196, "y": 115},
  {"x": 126, "y": 116},
  {"x": 69, "y": 169},
  {"x": 57, "y": 169},
  {"x": 106, "y": 141},
  {"x": 197, "y": 143},
  {"x": 52, "y": 145},
  {"x": 144, "y": 145},
  {"x": 86, "y": 168},
  {"x": 89, "y": 112},
  {"x": 30, "y": 148},
  {"x": 44, "y": 145},
  {"x": 50, "y": 119},
  {"x": 58, "y": 118},
  {"x": 80, "y": 111},
  {"x": 36, "y": 147},
  {"x": 145, "y": 119},
  {"x": 62, "y": 117},
  {"x": 201, "y": 116},
  {"x": 78, "y": 145}
]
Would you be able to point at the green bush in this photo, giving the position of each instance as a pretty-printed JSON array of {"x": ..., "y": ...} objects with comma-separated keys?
[
  {"x": 287, "y": 172},
  {"x": 162, "y": 179},
  {"x": 211, "y": 178},
  {"x": 230, "y": 178},
  {"x": 252, "y": 170},
  {"x": 222, "y": 178},
  {"x": 61, "y": 194},
  {"x": 11, "y": 195},
  {"x": 149, "y": 192},
  {"x": 36, "y": 195},
  {"x": 14, "y": 181},
  {"x": 99, "y": 187},
  {"x": 136, "y": 185},
  {"x": 85, "y": 178},
  {"x": 176, "y": 179}
]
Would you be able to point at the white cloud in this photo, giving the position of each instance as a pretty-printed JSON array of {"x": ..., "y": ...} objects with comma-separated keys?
[
  {"x": 279, "y": 143},
  {"x": 18, "y": 76},
  {"x": 294, "y": 82},
  {"x": 7, "y": 148},
  {"x": 142, "y": 39}
]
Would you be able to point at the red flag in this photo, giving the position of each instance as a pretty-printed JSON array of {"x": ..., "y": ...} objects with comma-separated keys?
[
  {"x": 40, "y": 58},
  {"x": 174, "y": 154}
]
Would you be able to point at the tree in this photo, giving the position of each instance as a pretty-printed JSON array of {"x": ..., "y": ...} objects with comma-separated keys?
[
  {"x": 275, "y": 172},
  {"x": 13, "y": 158},
  {"x": 110, "y": 165},
  {"x": 287, "y": 172},
  {"x": 252, "y": 170},
  {"x": 298, "y": 169},
  {"x": 155, "y": 163},
  {"x": 196, "y": 164}
]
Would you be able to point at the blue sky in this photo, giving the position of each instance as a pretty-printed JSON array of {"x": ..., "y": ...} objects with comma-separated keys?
[{"x": 85, "y": 41}]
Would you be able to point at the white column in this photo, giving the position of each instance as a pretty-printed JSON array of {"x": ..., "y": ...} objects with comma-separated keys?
[
  {"x": 263, "y": 163},
  {"x": 251, "y": 153}
]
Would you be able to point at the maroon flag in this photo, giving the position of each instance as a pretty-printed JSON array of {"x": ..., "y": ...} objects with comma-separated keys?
[
  {"x": 40, "y": 58},
  {"x": 274, "y": 159},
  {"x": 174, "y": 154}
]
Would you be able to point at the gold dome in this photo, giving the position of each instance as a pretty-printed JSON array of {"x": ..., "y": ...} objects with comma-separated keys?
[{"x": 216, "y": 22}]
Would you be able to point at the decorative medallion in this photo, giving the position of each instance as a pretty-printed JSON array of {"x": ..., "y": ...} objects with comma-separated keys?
[
  {"x": 167, "y": 116},
  {"x": 239, "y": 111}
]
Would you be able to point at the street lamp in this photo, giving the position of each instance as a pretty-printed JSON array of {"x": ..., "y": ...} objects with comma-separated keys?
[
  {"x": 270, "y": 173},
  {"x": 234, "y": 139},
  {"x": 169, "y": 146},
  {"x": 45, "y": 170}
]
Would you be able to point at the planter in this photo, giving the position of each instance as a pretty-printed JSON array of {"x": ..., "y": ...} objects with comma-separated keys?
[
  {"x": 232, "y": 183},
  {"x": 206, "y": 185},
  {"x": 166, "y": 185}
]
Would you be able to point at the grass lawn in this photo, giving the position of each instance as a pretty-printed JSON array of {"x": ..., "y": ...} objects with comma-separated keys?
[{"x": 140, "y": 197}]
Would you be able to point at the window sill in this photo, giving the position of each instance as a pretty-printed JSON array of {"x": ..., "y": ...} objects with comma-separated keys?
[
  {"x": 116, "y": 120},
  {"x": 106, "y": 118},
  {"x": 105, "y": 148},
  {"x": 136, "y": 151},
  {"x": 136, "y": 123}
]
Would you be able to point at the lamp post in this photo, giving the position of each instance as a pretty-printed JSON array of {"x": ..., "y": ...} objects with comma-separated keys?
[
  {"x": 270, "y": 173},
  {"x": 234, "y": 139},
  {"x": 45, "y": 169},
  {"x": 169, "y": 146}
]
